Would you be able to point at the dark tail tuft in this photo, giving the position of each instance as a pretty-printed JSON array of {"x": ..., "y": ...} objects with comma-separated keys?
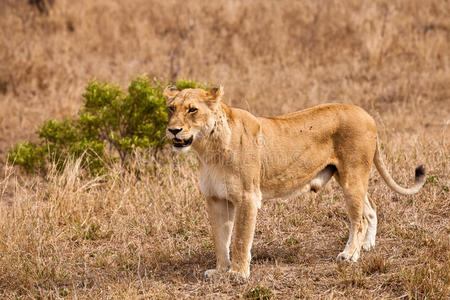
[{"x": 420, "y": 173}]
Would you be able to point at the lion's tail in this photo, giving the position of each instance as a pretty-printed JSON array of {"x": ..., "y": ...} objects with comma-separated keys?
[{"x": 418, "y": 181}]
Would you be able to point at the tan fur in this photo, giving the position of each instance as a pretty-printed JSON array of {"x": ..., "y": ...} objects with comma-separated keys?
[{"x": 244, "y": 159}]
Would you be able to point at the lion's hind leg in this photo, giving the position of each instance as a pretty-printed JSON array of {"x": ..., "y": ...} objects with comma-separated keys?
[
  {"x": 355, "y": 187},
  {"x": 321, "y": 179},
  {"x": 369, "y": 212}
]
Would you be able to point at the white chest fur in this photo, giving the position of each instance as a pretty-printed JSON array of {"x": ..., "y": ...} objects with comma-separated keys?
[{"x": 212, "y": 181}]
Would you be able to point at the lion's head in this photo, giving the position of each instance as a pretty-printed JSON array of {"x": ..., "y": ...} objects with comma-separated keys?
[{"x": 191, "y": 115}]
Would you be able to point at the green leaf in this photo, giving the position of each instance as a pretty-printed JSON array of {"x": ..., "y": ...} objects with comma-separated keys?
[{"x": 111, "y": 124}]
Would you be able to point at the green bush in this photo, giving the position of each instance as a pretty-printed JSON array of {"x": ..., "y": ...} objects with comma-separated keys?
[
  {"x": 110, "y": 126},
  {"x": 259, "y": 292}
]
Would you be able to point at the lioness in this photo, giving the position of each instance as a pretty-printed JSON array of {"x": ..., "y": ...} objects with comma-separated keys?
[{"x": 244, "y": 159}]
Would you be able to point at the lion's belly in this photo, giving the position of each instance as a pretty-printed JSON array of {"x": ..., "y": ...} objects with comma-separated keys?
[
  {"x": 289, "y": 180},
  {"x": 276, "y": 189},
  {"x": 285, "y": 171}
]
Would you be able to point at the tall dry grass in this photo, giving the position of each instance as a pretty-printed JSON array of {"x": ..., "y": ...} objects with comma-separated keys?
[{"x": 71, "y": 235}]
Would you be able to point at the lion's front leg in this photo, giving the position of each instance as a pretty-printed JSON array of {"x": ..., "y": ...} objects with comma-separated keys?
[
  {"x": 221, "y": 217},
  {"x": 245, "y": 222}
]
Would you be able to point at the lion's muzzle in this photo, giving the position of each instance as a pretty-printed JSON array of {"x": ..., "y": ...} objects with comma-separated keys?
[{"x": 179, "y": 143}]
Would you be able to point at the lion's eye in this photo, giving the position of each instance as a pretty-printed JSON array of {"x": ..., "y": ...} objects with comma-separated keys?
[{"x": 192, "y": 110}]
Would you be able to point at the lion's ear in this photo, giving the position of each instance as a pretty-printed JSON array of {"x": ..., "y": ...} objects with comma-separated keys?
[
  {"x": 170, "y": 91},
  {"x": 216, "y": 93}
]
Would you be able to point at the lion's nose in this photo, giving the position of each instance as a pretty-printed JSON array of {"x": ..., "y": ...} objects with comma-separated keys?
[{"x": 174, "y": 131}]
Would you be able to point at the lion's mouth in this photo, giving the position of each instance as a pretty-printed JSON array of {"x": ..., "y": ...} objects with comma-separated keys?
[{"x": 179, "y": 143}]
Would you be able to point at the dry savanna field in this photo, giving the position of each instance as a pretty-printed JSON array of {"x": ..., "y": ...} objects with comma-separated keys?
[{"x": 71, "y": 235}]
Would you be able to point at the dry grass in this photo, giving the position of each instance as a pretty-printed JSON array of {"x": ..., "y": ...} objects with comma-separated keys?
[{"x": 70, "y": 235}]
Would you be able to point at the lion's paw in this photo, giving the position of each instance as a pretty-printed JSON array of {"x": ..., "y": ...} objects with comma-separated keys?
[
  {"x": 209, "y": 274},
  {"x": 367, "y": 245},
  {"x": 348, "y": 257},
  {"x": 238, "y": 275}
]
